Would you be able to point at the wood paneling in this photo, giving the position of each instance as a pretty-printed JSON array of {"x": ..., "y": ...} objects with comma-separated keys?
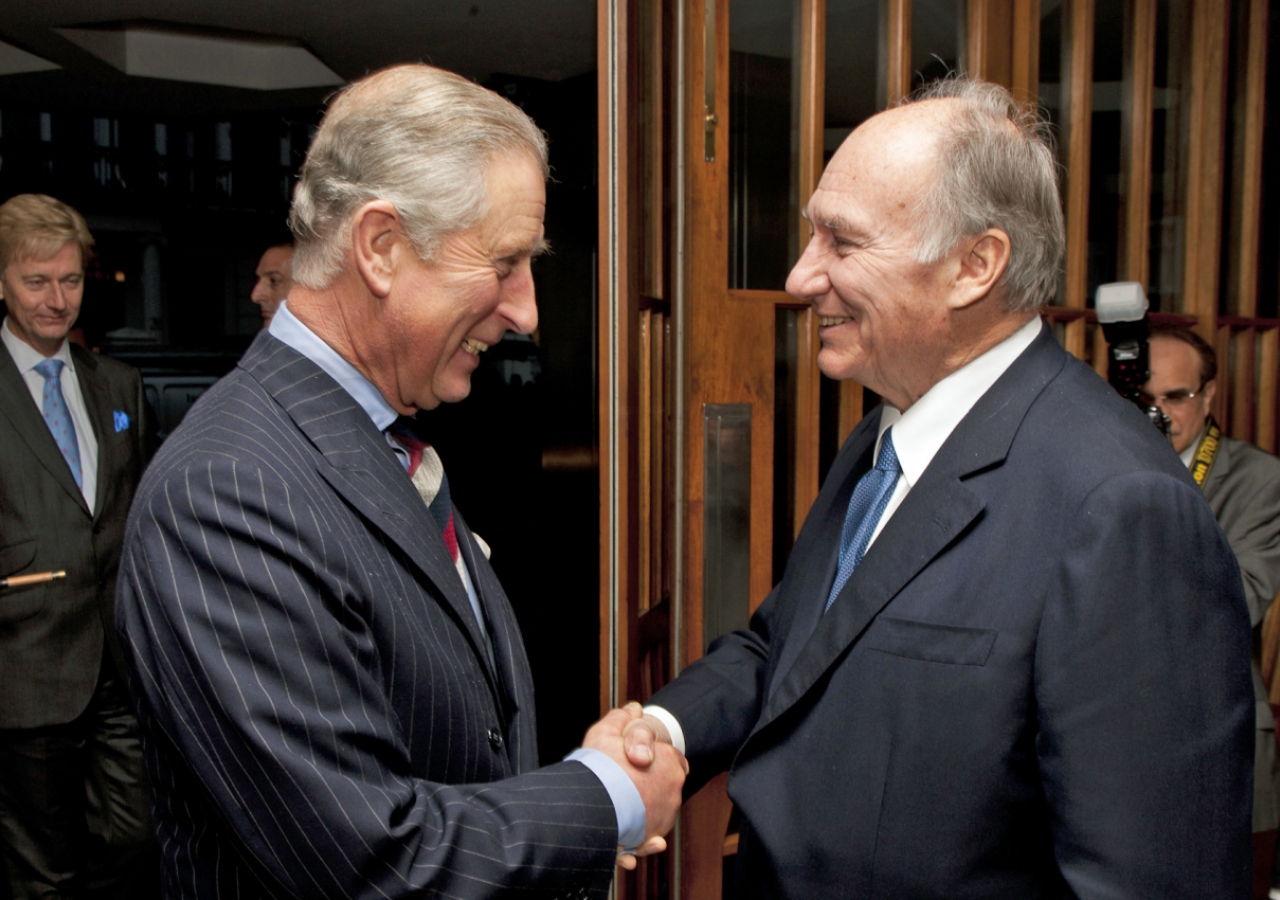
[
  {"x": 1135, "y": 131},
  {"x": 1268, "y": 376},
  {"x": 1205, "y": 147},
  {"x": 989, "y": 40},
  {"x": 1241, "y": 366},
  {"x": 897, "y": 15},
  {"x": 1077, "y": 108},
  {"x": 1246, "y": 191},
  {"x": 1025, "y": 72}
]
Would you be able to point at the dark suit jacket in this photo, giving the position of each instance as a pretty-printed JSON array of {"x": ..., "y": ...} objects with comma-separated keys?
[
  {"x": 1243, "y": 490},
  {"x": 52, "y": 635},
  {"x": 319, "y": 715},
  {"x": 999, "y": 702}
]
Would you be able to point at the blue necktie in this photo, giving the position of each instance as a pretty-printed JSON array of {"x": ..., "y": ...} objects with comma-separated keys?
[
  {"x": 58, "y": 417},
  {"x": 866, "y": 506}
]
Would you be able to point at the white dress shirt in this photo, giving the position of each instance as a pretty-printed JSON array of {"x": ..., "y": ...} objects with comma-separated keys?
[
  {"x": 27, "y": 358},
  {"x": 919, "y": 433}
]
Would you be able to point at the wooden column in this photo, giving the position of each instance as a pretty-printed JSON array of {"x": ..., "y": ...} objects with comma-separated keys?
[
  {"x": 1206, "y": 139},
  {"x": 1136, "y": 127},
  {"x": 1077, "y": 111}
]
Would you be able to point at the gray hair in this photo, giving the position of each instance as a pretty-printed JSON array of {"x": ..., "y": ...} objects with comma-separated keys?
[
  {"x": 416, "y": 136},
  {"x": 996, "y": 169}
]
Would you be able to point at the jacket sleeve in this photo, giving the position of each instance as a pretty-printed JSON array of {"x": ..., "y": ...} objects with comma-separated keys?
[
  {"x": 1144, "y": 702},
  {"x": 254, "y": 671},
  {"x": 1248, "y": 509},
  {"x": 717, "y": 700}
]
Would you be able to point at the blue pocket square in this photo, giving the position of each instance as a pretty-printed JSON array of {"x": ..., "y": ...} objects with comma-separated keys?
[{"x": 121, "y": 419}]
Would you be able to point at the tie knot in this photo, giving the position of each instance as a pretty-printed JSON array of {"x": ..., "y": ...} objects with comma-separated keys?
[
  {"x": 888, "y": 458},
  {"x": 50, "y": 368}
]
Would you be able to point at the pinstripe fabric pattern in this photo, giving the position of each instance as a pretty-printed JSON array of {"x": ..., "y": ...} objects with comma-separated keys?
[{"x": 320, "y": 717}]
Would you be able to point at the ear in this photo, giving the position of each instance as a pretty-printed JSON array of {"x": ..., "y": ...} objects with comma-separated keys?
[
  {"x": 1210, "y": 391},
  {"x": 377, "y": 236},
  {"x": 983, "y": 259}
]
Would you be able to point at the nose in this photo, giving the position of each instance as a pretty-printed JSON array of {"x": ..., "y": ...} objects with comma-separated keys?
[
  {"x": 808, "y": 279},
  {"x": 58, "y": 296},
  {"x": 259, "y": 293},
  {"x": 519, "y": 304}
]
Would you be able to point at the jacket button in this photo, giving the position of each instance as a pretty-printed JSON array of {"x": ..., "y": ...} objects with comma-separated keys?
[{"x": 495, "y": 739}]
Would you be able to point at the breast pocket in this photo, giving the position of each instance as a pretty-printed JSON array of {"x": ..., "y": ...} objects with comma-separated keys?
[
  {"x": 20, "y": 603},
  {"x": 952, "y": 644}
]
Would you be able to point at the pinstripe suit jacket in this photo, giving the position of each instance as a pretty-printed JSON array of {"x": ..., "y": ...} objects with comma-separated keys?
[{"x": 319, "y": 714}]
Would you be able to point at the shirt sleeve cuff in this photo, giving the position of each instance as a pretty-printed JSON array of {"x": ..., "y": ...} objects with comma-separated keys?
[
  {"x": 673, "y": 727},
  {"x": 627, "y": 804}
]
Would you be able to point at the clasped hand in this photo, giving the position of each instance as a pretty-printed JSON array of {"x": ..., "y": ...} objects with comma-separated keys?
[{"x": 639, "y": 744}]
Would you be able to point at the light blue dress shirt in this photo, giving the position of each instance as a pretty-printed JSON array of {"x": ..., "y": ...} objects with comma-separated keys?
[{"x": 286, "y": 328}]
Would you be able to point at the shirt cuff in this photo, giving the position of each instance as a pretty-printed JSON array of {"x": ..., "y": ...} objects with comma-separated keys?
[
  {"x": 627, "y": 804},
  {"x": 673, "y": 727}
]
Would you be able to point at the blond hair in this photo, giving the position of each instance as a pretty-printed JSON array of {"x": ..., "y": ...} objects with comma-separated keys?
[{"x": 36, "y": 226}]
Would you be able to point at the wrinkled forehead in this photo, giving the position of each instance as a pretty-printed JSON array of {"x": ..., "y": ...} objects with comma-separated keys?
[{"x": 893, "y": 154}]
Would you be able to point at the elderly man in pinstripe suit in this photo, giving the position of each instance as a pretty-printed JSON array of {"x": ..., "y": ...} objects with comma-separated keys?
[{"x": 334, "y": 697}]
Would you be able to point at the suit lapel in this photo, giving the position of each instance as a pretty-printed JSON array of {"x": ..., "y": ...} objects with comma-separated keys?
[
  {"x": 935, "y": 514},
  {"x": 17, "y": 406},
  {"x": 362, "y": 469},
  {"x": 97, "y": 403}
]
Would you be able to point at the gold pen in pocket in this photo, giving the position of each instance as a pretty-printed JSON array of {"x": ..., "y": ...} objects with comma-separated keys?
[{"x": 14, "y": 581}]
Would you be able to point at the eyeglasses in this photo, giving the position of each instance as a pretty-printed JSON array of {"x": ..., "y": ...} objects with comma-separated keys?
[{"x": 1173, "y": 398}]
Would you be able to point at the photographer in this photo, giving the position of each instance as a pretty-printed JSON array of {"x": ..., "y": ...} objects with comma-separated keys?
[{"x": 1242, "y": 485}]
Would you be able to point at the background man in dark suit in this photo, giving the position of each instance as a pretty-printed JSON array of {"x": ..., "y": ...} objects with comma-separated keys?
[
  {"x": 274, "y": 279},
  {"x": 334, "y": 696},
  {"x": 1008, "y": 656},
  {"x": 1242, "y": 484},
  {"x": 74, "y": 812}
]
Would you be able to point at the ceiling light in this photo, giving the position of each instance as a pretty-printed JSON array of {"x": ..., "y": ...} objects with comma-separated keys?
[
  {"x": 14, "y": 61},
  {"x": 150, "y": 51}
]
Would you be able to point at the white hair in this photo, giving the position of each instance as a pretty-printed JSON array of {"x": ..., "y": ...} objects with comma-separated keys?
[
  {"x": 416, "y": 136},
  {"x": 996, "y": 168}
]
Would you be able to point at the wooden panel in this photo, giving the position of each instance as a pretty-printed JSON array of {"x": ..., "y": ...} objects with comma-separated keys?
[
  {"x": 618, "y": 365},
  {"x": 706, "y": 820},
  {"x": 989, "y": 34},
  {"x": 808, "y": 402},
  {"x": 1205, "y": 148},
  {"x": 1136, "y": 128},
  {"x": 851, "y": 411},
  {"x": 898, "y": 52},
  {"x": 1248, "y": 116},
  {"x": 644, "y": 463},
  {"x": 1025, "y": 73},
  {"x": 1242, "y": 387},
  {"x": 1077, "y": 106},
  {"x": 1220, "y": 337},
  {"x": 1268, "y": 376}
]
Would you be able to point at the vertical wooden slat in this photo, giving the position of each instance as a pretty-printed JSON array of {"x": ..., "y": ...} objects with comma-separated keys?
[
  {"x": 808, "y": 403},
  {"x": 659, "y": 432},
  {"x": 1220, "y": 338},
  {"x": 1249, "y": 118},
  {"x": 1242, "y": 387},
  {"x": 1136, "y": 128},
  {"x": 813, "y": 46},
  {"x": 989, "y": 39},
  {"x": 1206, "y": 138},
  {"x": 1268, "y": 376},
  {"x": 1077, "y": 111},
  {"x": 1025, "y": 74},
  {"x": 644, "y": 462},
  {"x": 898, "y": 52}
]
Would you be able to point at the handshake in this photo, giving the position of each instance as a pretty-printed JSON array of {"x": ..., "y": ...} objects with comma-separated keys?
[{"x": 641, "y": 746}]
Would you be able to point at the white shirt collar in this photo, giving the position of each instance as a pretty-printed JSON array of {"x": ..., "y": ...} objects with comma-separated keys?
[
  {"x": 26, "y": 357},
  {"x": 1188, "y": 454},
  {"x": 921, "y": 431},
  {"x": 288, "y": 329}
]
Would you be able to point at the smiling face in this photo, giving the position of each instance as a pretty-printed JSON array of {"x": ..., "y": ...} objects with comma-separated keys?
[
  {"x": 884, "y": 316},
  {"x": 42, "y": 297},
  {"x": 442, "y": 314}
]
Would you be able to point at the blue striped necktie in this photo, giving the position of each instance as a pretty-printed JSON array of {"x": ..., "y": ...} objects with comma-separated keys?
[
  {"x": 866, "y": 506},
  {"x": 58, "y": 417}
]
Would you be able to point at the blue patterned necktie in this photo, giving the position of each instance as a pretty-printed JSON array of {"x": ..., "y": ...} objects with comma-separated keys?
[
  {"x": 866, "y": 506},
  {"x": 58, "y": 417}
]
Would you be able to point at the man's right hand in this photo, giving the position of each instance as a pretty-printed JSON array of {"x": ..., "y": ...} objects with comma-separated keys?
[{"x": 658, "y": 774}]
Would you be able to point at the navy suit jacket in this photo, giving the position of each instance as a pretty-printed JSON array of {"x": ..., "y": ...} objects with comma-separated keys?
[
  {"x": 319, "y": 713},
  {"x": 999, "y": 702}
]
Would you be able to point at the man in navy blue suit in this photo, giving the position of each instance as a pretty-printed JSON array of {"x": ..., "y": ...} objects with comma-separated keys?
[
  {"x": 334, "y": 696},
  {"x": 1009, "y": 653}
]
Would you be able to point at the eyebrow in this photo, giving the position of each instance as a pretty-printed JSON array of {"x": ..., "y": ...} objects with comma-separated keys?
[{"x": 835, "y": 223}]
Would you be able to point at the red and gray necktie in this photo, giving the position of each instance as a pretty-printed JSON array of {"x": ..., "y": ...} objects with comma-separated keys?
[{"x": 427, "y": 473}]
